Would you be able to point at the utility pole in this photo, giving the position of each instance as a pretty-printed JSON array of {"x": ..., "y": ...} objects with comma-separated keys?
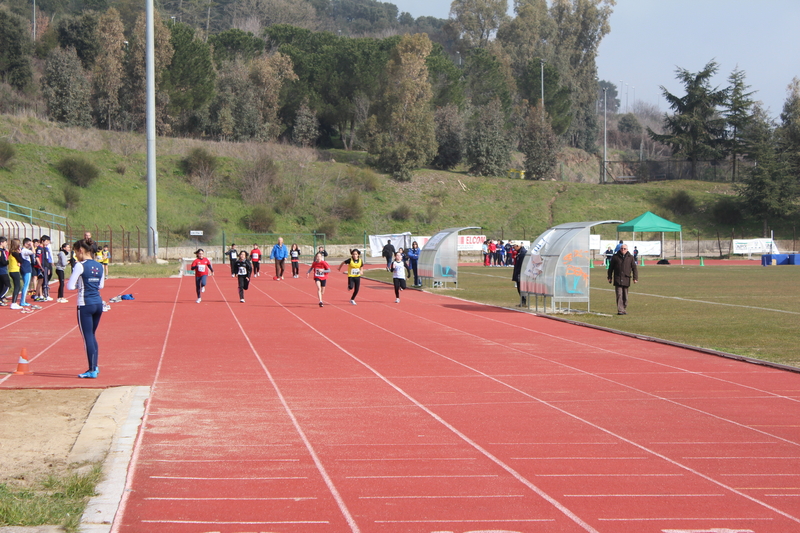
[
  {"x": 541, "y": 69},
  {"x": 605, "y": 132},
  {"x": 150, "y": 79}
]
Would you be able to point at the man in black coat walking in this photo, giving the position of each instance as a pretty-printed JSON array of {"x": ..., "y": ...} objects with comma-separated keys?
[
  {"x": 388, "y": 253},
  {"x": 621, "y": 269},
  {"x": 517, "y": 275}
]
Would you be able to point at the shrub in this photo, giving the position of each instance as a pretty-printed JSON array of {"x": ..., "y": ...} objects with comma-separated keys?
[
  {"x": 72, "y": 197},
  {"x": 121, "y": 169},
  {"x": 199, "y": 161},
  {"x": 681, "y": 203},
  {"x": 261, "y": 220},
  {"x": 363, "y": 178},
  {"x": 329, "y": 227},
  {"x": 7, "y": 153},
  {"x": 257, "y": 179},
  {"x": 351, "y": 208},
  {"x": 728, "y": 211},
  {"x": 78, "y": 170},
  {"x": 402, "y": 212},
  {"x": 209, "y": 228}
]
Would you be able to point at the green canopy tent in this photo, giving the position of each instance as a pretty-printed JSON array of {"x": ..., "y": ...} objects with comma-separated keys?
[{"x": 652, "y": 222}]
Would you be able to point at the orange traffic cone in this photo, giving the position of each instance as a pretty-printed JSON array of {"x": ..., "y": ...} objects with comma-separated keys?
[{"x": 22, "y": 365}]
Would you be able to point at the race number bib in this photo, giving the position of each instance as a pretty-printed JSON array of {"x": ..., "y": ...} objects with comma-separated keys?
[
  {"x": 255, "y": 257},
  {"x": 242, "y": 271},
  {"x": 201, "y": 268},
  {"x": 319, "y": 272},
  {"x": 355, "y": 272}
]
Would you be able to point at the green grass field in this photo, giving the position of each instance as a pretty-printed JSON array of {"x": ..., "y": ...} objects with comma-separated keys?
[{"x": 747, "y": 310}]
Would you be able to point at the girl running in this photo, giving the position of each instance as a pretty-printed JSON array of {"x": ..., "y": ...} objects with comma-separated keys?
[
  {"x": 61, "y": 264},
  {"x": 398, "y": 270},
  {"x": 87, "y": 277},
  {"x": 321, "y": 269},
  {"x": 354, "y": 267},
  {"x": 243, "y": 271},
  {"x": 14, "y": 265},
  {"x": 201, "y": 267},
  {"x": 294, "y": 257},
  {"x": 255, "y": 258}
]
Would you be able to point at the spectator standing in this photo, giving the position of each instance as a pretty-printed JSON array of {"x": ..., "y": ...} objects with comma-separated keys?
[
  {"x": 5, "y": 280},
  {"x": 517, "y": 274},
  {"x": 61, "y": 263},
  {"x": 14, "y": 263},
  {"x": 621, "y": 269},
  {"x": 388, "y": 252},
  {"x": 279, "y": 254},
  {"x": 87, "y": 278},
  {"x": 413, "y": 262},
  {"x": 636, "y": 254}
]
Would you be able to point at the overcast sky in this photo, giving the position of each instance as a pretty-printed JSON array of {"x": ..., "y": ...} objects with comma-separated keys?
[{"x": 649, "y": 39}]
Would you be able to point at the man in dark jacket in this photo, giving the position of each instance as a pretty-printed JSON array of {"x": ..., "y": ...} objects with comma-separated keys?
[
  {"x": 621, "y": 269},
  {"x": 388, "y": 253},
  {"x": 517, "y": 275}
]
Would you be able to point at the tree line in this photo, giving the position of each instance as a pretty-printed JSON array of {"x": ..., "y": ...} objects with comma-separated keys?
[{"x": 348, "y": 73}]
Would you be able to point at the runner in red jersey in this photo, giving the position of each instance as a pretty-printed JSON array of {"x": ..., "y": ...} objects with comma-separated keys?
[
  {"x": 201, "y": 267},
  {"x": 255, "y": 260},
  {"x": 321, "y": 268}
]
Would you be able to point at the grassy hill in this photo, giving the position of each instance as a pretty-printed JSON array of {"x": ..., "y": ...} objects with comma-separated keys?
[{"x": 329, "y": 191}]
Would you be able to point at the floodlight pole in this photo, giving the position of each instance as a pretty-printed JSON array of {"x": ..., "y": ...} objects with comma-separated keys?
[
  {"x": 541, "y": 71},
  {"x": 605, "y": 131},
  {"x": 152, "y": 217}
]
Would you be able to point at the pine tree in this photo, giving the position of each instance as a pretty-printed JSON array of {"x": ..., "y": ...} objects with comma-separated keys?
[
  {"x": 306, "y": 125},
  {"x": 108, "y": 69},
  {"x": 738, "y": 115},
  {"x": 540, "y": 145},
  {"x": 449, "y": 137},
  {"x": 488, "y": 143},
  {"x": 66, "y": 89}
]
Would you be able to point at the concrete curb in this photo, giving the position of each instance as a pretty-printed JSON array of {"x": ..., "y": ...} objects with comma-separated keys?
[{"x": 115, "y": 419}]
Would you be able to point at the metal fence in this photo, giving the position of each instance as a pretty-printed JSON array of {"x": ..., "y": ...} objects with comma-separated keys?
[{"x": 649, "y": 170}]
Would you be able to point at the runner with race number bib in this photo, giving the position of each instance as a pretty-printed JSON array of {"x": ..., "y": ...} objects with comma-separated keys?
[
  {"x": 354, "y": 268},
  {"x": 201, "y": 266},
  {"x": 320, "y": 267}
]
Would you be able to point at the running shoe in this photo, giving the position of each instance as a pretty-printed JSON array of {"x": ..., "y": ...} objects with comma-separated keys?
[
  {"x": 199, "y": 300},
  {"x": 48, "y": 299},
  {"x": 281, "y": 278},
  {"x": 27, "y": 310},
  {"x": 353, "y": 302},
  {"x": 241, "y": 300},
  {"x": 202, "y": 289},
  {"x": 90, "y": 374},
  {"x": 36, "y": 307},
  {"x": 397, "y": 301},
  {"x": 15, "y": 306},
  {"x": 320, "y": 304}
]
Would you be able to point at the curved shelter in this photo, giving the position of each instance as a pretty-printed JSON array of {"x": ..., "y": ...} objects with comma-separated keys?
[
  {"x": 438, "y": 259},
  {"x": 653, "y": 223},
  {"x": 557, "y": 265}
]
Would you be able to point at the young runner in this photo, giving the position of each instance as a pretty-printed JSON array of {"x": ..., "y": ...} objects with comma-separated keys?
[
  {"x": 321, "y": 269},
  {"x": 233, "y": 256},
  {"x": 87, "y": 277},
  {"x": 61, "y": 264},
  {"x": 104, "y": 259},
  {"x": 294, "y": 257},
  {"x": 42, "y": 268},
  {"x": 398, "y": 270},
  {"x": 255, "y": 258},
  {"x": 354, "y": 268},
  {"x": 26, "y": 269},
  {"x": 243, "y": 271},
  {"x": 201, "y": 266}
]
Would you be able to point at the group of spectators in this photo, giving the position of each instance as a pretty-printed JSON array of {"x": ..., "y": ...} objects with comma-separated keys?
[
  {"x": 27, "y": 267},
  {"x": 498, "y": 253}
]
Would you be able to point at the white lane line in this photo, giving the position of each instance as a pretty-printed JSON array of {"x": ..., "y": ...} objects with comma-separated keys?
[
  {"x": 644, "y": 495},
  {"x": 753, "y": 475},
  {"x": 576, "y": 458},
  {"x": 569, "y": 414},
  {"x": 555, "y": 503},
  {"x": 445, "y": 476},
  {"x": 706, "y": 302},
  {"x": 312, "y": 452},
  {"x": 290, "y": 498},
  {"x": 217, "y": 460},
  {"x": 782, "y": 495},
  {"x": 235, "y": 478},
  {"x": 459, "y": 521},
  {"x": 137, "y": 447},
  {"x": 412, "y": 459},
  {"x": 465, "y": 496},
  {"x": 277, "y": 522},
  {"x": 748, "y": 457},
  {"x": 553, "y": 443},
  {"x": 718, "y": 443},
  {"x": 395, "y": 445},
  {"x": 609, "y": 475},
  {"x": 680, "y": 519},
  {"x": 204, "y": 445}
]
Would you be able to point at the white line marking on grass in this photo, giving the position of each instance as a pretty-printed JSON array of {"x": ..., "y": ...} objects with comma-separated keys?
[
  {"x": 312, "y": 452},
  {"x": 555, "y": 503},
  {"x": 137, "y": 447},
  {"x": 578, "y": 418},
  {"x": 692, "y": 300}
]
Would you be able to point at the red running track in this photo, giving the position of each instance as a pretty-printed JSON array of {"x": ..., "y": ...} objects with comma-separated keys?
[{"x": 431, "y": 415}]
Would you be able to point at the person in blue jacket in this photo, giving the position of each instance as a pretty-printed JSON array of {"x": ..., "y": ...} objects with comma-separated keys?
[
  {"x": 279, "y": 254},
  {"x": 413, "y": 262},
  {"x": 88, "y": 278}
]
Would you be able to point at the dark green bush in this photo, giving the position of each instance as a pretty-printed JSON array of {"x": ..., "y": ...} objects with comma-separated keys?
[
  {"x": 681, "y": 203},
  {"x": 402, "y": 212},
  {"x": 728, "y": 211},
  {"x": 329, "y": 227},
  {"x": 199, "y": 162},
  {"x": 209, "y": 228},
  {"x": 78, "y": 170},
  {"x": 261, "y": 220},
  {"x": 7, "y": 153},
  {"x": 351, "y": 207},
  {"x": 72, "y": 196}
]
